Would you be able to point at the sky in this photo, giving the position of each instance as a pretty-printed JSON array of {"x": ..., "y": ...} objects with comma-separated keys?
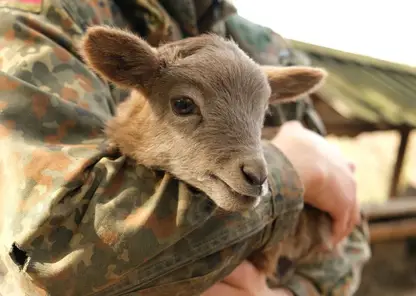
[{"x": 383, "y": 29}]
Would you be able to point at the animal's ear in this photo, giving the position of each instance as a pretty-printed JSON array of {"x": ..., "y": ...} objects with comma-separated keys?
[
  {"x": 288, "y": 83},
  {"x": 119, "y": 56}
]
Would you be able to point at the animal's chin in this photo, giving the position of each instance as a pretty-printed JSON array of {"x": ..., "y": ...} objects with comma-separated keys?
[
  {"x": 235, "y": 202},
  {"x": 221, "y": 193}
]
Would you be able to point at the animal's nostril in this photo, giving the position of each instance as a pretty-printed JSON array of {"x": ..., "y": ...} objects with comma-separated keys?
[{"x": 254, "y": 174}]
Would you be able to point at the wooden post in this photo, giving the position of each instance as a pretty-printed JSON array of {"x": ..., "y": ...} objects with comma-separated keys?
[{"x": 404, "y": 139}]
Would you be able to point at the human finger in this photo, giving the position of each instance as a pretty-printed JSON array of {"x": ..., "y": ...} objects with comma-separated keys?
[
  {"x": 223, "y": 289},
  {"x": 351, "y": 208},
  {"x": 340, "y": 223},
  {"x": 339, "y": 212},
  {"x": 245, "y": 277},
  {"x": 355, "y": 218}
]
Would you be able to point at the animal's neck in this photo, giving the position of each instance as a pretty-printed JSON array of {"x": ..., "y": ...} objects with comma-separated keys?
[{"x": 128, "y": 129}]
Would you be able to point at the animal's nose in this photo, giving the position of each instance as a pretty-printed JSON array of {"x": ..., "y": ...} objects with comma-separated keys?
[{"x": 254, "y": 171}]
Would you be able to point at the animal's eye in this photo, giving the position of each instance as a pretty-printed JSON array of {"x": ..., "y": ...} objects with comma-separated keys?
[{"x": 183, "y": 106}]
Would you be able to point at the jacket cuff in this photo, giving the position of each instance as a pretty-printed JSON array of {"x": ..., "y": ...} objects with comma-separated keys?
[{"x": 283, "y": 178}]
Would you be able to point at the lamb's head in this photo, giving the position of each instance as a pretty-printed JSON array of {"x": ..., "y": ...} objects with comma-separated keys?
[{"x": 196, "y": 110}]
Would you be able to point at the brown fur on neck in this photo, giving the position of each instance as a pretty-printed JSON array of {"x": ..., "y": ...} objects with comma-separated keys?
[{"x": 122, "y": 130}]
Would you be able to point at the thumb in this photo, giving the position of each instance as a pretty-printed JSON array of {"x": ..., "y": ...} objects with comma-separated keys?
[{"x": 338, "y": 228}]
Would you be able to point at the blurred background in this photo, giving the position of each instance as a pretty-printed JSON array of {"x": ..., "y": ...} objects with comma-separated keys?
[{"x": 369, "y": 109}]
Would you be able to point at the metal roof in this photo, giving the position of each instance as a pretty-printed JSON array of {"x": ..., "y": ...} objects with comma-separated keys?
[{"x": 364, "y": 88}]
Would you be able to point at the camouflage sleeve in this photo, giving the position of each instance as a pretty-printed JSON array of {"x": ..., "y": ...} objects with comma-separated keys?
[
  {"x": 339, "y": 273},
  {"x": 77, "y": 217}
]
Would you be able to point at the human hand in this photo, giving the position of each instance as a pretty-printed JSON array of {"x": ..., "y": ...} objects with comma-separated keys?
[
  {"x": 327, "y": 176},
  {"x": 245, "y": 280}
]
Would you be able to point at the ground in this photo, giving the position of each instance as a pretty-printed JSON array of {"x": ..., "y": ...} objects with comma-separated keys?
[{"x": 387, "y": 275}]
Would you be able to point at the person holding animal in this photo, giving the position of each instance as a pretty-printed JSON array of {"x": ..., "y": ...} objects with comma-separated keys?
[{"x": 96, "y": 207}]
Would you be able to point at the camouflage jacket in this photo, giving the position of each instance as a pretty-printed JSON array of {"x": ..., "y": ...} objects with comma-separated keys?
[{"x": 76, "y": 217}]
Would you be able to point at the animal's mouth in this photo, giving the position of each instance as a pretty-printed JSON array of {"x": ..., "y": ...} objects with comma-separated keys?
[{"x": 245, "y": 198}]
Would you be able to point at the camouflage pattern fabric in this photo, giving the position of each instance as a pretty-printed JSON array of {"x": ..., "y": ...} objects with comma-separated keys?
[{"x": 78, "y": 218}]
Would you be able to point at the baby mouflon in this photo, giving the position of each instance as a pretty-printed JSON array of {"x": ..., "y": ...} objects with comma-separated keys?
[{"x": 196, "y": 110}]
